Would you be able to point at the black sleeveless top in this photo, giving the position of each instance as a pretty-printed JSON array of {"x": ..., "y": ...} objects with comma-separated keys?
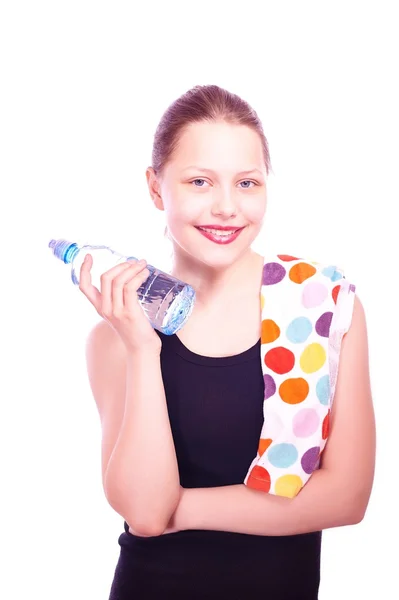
[{"x": 215, "y": 409}]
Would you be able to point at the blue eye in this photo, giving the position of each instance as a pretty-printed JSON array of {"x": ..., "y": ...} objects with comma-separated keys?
[
  {"x": 247, "y": 186},
  {"x": 199, "y": 182}
]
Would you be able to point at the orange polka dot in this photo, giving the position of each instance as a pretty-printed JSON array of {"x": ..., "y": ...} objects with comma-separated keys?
[
  {"x": 294, "y": 391},
  {"x": 300, "y": 272},
  {"x": 264, "y": 443},
  {"x": 286, "y": 257},
  {"x": 335, "y": 293},
  {"x": 259, "y": 479},
  {"x": 326, "y": 426},
  {"x": 270, "y": 331},
  {"x": 280, "y": 360}
]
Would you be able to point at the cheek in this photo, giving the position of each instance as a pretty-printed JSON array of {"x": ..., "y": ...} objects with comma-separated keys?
[
  {"x": 184, "y": 214},
  {"x": 183, "y": 209},
  {"x": 255, "y": 211}
]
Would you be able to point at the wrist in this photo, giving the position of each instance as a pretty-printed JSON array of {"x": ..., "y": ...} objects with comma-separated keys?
[{"x": 143, "y": 353}]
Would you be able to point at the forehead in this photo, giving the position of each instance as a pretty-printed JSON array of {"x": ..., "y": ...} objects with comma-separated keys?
[{"x": 219, "y": 145}]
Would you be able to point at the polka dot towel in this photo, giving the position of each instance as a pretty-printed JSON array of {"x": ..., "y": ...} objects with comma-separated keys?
[{"x": 306, "y": 310}]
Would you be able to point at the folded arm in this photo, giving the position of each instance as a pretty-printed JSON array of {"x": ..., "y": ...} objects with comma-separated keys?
[{"x": 336, "y": 494}]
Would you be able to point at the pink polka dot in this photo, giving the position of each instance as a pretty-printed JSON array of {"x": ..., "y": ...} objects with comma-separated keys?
[
  {"x": 306, "y": 422},
  {"x": 314, "y": 294}
]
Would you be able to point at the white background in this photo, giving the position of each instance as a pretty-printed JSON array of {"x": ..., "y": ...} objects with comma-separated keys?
[{"x": 84, "y": 85}]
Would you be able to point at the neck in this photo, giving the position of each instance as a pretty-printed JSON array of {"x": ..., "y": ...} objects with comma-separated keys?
[{"x": 242, "y": 277}]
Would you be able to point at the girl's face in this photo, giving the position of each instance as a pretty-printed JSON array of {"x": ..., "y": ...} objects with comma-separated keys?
[{"x": 216, "y": 177}]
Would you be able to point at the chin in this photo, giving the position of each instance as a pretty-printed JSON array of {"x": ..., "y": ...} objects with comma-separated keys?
[
  {"x": 197, "y": 247},
  {"x": 215, "y": 256}
]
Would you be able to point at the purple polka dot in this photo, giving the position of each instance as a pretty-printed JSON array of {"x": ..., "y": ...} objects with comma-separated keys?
[
  {"x": 309, "y": 459},
  {"x": 323, "y": 324},
  {"x": 270, "y": 386},
  {"x": 273, "y": 273},
  {"x": 352, "y": 287}
]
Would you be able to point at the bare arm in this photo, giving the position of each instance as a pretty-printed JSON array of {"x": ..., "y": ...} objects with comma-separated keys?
[
  {"x": 139, "y": 467},
  {"x": 336, "y": 494}
]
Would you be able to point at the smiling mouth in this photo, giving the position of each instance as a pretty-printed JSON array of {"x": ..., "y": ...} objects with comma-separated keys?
[
  {"x": 220, "y": 236},
  {"x": 220, "y": 232}
]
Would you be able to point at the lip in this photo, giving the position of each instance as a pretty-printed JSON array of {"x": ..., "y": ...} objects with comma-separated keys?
[
  {"x": 221, "y": 227},
  {"x": 228, "y": 239}
]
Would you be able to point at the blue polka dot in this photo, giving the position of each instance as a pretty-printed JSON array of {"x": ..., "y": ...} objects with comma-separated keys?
[
  {"x": 282, "y": 455},
  {"x": 332, "y": 273},
  {"x": 336, "y": 276},
  {"x": 323, "y": 389},
  {"x": 299, "y": 330}
]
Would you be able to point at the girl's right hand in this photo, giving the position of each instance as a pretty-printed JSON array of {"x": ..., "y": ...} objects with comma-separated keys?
[{"x": 118, "y": 302}]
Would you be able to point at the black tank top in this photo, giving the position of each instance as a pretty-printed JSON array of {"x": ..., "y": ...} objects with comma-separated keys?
[{"x": 215, "y": 411}]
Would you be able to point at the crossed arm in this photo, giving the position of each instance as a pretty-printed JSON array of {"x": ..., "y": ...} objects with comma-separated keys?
[{"x": 336, "y": 494}]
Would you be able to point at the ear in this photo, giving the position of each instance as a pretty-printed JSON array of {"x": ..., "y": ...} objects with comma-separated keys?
[{"x": 154, "y": 188}]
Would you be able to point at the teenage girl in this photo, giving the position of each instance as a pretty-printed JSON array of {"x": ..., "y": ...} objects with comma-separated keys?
[{"x": 181, "y": 415}]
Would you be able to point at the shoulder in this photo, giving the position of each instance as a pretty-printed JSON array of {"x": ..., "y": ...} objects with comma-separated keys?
[
  {"x": 357, "y": 333},
  {"x": 301, "y": 270},
  {"x": 103, "y": 339},
  {"x": 309, "y": 266}
]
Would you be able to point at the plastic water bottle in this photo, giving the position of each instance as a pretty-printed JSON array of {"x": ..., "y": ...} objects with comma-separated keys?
[{"x": 167, "y": 302}]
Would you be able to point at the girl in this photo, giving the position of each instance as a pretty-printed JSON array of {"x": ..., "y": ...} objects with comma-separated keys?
[{"x": 182, "y": 415}]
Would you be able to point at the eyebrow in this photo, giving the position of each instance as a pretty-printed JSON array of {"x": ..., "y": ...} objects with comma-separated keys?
[{"x": 203, "y": 170}]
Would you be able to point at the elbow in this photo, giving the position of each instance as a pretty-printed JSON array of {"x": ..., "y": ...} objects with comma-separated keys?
[
  {"x": 146, "y": 518},
  {"x": 357, "y": 510},
  {"x": 143, "y": 523},
  {"x": 357, "y": 514},
  {"x": 151, "y": 520},
  {"x": 146, "y": 529},
  {"x": 355, "y": 517}
]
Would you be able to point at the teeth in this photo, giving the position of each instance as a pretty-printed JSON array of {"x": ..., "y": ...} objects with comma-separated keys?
[{"x": 219, "y": 232}]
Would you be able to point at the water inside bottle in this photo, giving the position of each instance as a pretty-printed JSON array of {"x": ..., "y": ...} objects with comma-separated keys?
[{"x": 167, "y": 301}]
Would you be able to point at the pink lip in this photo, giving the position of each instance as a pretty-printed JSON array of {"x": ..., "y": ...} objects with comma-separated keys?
[
  {"x": 221, "y": 227},
  {"x": 223, "y": 241}
]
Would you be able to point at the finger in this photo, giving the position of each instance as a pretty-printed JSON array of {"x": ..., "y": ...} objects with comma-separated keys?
[
  {"x": 119, "y": 268},
  {"x": 107, "y": 282},
  {"x": 130, "y": 296},
  {"x": 120, "y": 281},
  {"x": 85, "y": 284}
]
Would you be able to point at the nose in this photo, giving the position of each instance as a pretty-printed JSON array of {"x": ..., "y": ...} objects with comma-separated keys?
[{"x": 224, "y": 204}]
